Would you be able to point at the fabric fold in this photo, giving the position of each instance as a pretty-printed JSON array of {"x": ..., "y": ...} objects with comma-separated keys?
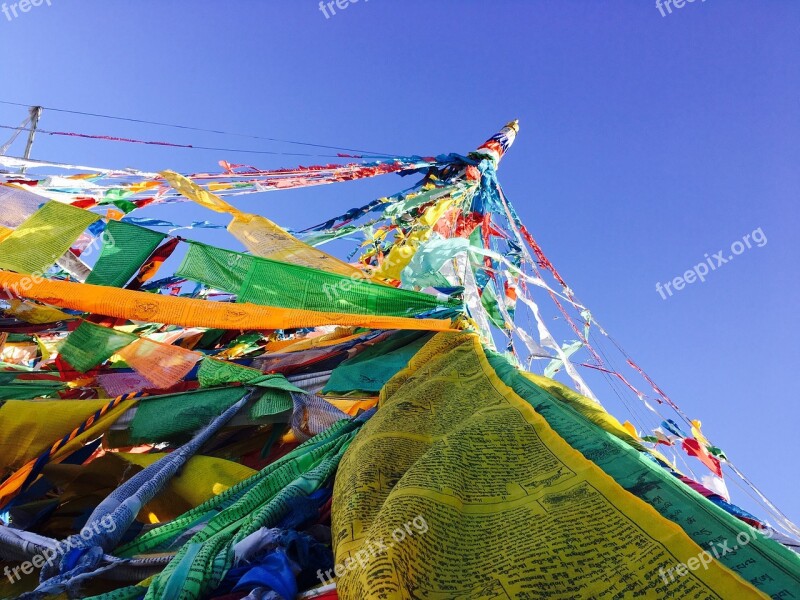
[
  {"x": 189, "y": 312},
  {"x": 43, "y": 238},
  {"x": 125, "y": 248}
]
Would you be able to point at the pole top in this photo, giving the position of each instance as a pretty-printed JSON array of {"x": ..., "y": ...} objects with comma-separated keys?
[{"x": 496, "y": 146}]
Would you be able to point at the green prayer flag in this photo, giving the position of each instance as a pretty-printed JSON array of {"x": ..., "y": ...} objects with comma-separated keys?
[
  {"x": 163, "y": 418},
  {"x": 202, "y": 562},
  {"x": 44, "y": 237},
  {"x": 125, "y": 206},
  {"x": 489, "y": 300},
  {"x": 213, "y": 372},
  {"x": 90, "y": 344},
  {"x": 221, "y": 269},
  {"x": 273, "y": 283},
  {"x": 277, "y": 473},
  {"x": 25, "y": 390},
  {"x": 371, "y": 368},
  {"x": 125, "y": 248},
  {"x": 272, "y": 402},
  {"x": 276, "y": 398},
  {"x": 115, "y": 194},
  {"x": 423, "y": 269}
]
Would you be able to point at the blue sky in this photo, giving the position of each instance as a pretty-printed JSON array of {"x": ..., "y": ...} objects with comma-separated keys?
[{"x": 647, "y": 141}]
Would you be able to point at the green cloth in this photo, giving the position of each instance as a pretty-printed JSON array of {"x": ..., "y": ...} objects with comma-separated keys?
[
  {"x": 260, "y": 501},
  {"x": 249, "y": 342},
  {"x": 278, "y": 284},
  {"x": 132, "y": 592},
  {"x": 220, "y": 269},
  {"x": 163, "y": 418},
  {"x": 90, "y": 344},
  {"x": 278, "y": 473},
  {"x": 276, "y": 398},
  {"x": 210, "y": 338},
  {"x": 25, "y": 390},
  {"x": 213, "y": 372},
  {"x": 489, "y": 300},
  {"x": 767, "y": 564},
  {"x": 19, "y": 338},
  {"x": 125, "y": 206},
  {"x": 555, "y": 365},
  {"x": 371, "y": 368},
  {"x": 44, "y": 237},
  {"x": 271, "y": 403},
  {"x": 273, "y": 283},
  {"x": 125, "y": 248}
]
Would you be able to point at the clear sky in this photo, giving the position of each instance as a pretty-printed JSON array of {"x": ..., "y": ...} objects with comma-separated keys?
[{"x": 647, "y": 141}]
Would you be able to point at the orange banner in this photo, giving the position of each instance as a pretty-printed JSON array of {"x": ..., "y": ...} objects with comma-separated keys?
[{"x": 190, "y": 312}]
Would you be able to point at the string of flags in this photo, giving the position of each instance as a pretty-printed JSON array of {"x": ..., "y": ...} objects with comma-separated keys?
[{"x": 261, "y": 416}]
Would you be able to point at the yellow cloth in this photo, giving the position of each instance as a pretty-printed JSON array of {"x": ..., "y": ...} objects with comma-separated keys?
[
  {"x": 202, "y": 478},
  {"x": 340, "y": 336},
  {"x": 351, "y": 407},
  {"x": 261, "y": 236},
  {"x": 194, "y": 192},
  {"x": 463, "y": 491},
  {"x": 46, "y": 347},
  {"x": 44, "y": 237},
  {"x": 33, "y": 313},
  {"x": 30, "y": 427},
  {"x": 402, "y": 253},
  {"x": 190, "y": 312},
  {"x": 698, "y": 435}
]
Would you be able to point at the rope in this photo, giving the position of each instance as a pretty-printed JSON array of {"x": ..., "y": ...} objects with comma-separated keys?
[
  {"x": 45, "y": 457},
  {"x": 109, "y": 138},
  {"x": 190, "y": 128}
]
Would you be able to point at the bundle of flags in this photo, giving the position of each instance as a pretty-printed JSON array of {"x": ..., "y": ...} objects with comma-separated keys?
[{"x": 279, "y": 422}]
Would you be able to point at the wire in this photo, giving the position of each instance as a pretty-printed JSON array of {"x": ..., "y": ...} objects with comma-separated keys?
[
  {"x": 190, "y": 128},
  {"x": 109, "y": 138}
]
